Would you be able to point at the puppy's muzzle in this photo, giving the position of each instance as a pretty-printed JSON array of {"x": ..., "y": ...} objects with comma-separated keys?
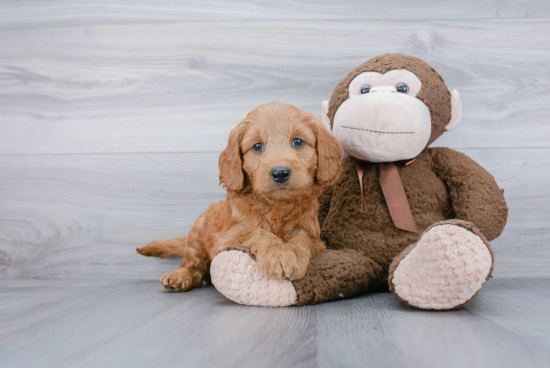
[{"x": 280, "y": 174}]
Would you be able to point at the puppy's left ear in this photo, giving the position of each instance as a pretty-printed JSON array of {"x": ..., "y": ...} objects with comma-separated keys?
[
  {"x": 329, "y": 155},
  {"x": 230, "y": 162}
]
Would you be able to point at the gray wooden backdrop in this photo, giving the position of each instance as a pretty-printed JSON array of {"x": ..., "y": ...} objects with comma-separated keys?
[{"x": 113, "y": 113}]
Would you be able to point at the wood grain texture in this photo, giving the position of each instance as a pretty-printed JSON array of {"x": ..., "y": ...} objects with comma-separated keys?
[
  {"x": 81, "y": 216},
  {"x": 65, "y": 12},
  {"x": 380, "y": 330},
  {"x": 181, "y": 87},
  {"x": 94, "y": 210},
  {"x": 513, "y": 304},
  {"x": 135, "y": 323}
]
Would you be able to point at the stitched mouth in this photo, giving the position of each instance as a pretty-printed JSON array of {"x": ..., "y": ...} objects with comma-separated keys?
[{"x": 376, "y": 131}]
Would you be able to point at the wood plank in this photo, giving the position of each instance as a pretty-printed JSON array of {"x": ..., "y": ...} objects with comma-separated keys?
[
  {"x": 139, "y": 324},
  {"x": 218, "y": 334},
  {"x": 181, "y": 87},
  {"x": 513, "y": 303},
  {"x": 135, "y": 323},
  {"x": 522, "y": 248},
  {"x": 81, "y": 216},
  {"x": 381, "y": 330},
  {"x": 65, "y": 12},
  {"x": 62, "y": 214}
]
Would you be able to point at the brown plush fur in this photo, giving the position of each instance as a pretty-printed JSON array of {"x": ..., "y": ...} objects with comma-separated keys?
[
  {"x": 441, "y": 184},
  {"x": 275, "y": 222}
]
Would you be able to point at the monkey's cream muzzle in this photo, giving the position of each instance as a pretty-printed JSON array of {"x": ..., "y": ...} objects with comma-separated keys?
[{"x": 383, "y": 125}]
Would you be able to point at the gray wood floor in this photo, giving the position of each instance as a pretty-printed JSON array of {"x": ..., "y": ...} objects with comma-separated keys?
[
  {"x": 136, "y": 324},
  {"x": 112, "y": 116}
]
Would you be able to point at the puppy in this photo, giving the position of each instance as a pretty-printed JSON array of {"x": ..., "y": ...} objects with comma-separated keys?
[{"x": 275, "y": 165}]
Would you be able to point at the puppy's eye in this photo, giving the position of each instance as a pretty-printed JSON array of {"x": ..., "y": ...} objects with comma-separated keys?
[
  {"x": 365, "y": 89},
  {"x": 297, "y": 143},
  {"x": 258, "y": 147},
  {"x": 402, "y": 87}
]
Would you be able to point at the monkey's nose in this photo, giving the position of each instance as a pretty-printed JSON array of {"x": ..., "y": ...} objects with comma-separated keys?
[{"x": 280, "y": 174}]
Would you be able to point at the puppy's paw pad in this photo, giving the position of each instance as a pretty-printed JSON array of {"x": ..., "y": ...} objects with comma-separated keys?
[
  {"x": 236, "y": 276},
  {"x": 445, "y": 269},
  {"x": 177, "y": 281}
]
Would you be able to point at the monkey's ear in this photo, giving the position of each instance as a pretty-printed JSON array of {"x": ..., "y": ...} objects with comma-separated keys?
[
  {"x": 230, "y": 162},
  {"x": 329, "y": 155},
  {"x": 324, "y": 115},
  {"x": 456, "y": 110}
]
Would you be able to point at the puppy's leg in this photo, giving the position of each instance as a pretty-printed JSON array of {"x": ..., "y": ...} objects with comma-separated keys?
[
  {"x": 278, "y": 259},
  {"x": 304, "y": 248},
  {"x": 195, "y": 263},
  {"x": 304, "y": 241},
  {"x": 191, "y": 272}
]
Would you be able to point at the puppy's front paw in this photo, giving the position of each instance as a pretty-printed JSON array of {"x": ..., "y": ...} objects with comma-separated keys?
[
  {"x": 179, "y": 280},
  {"x": 284, "y": 261}
]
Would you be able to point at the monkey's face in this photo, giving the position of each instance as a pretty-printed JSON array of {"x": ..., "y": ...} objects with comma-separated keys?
[
  {"x": 382, "y": 120},
  {"x": 391, "y": 108}
]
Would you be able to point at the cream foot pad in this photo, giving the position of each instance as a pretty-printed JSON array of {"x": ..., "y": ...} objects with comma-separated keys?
[
  {"x": 445, "y": 269},
  {"x": 236, "y": 276}
]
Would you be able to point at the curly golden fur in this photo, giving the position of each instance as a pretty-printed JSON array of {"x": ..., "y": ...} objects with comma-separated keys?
[{"x": 276, "y": 223}]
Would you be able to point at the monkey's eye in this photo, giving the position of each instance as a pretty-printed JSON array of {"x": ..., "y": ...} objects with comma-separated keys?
[
  {"x": 297, "y": 143},
  {"x": 258, "y": 147},
  {"x": 402, "y": 87},
  {"x": 365, "y": 89}
]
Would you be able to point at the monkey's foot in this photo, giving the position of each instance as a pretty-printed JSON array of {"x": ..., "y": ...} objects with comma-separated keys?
[
  {"x": 236, "y": 276},
  {"x": 444, "y": 270}
]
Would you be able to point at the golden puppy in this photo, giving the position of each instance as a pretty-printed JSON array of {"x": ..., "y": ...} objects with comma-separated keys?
[{"x": 275, "y": 165}]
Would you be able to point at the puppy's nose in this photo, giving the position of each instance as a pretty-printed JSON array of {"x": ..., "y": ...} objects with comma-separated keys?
[{"x": 280, "y": 174}]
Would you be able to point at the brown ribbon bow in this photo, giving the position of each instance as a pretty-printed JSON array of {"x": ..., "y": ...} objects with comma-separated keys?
[{"x": 394, "y": 193}]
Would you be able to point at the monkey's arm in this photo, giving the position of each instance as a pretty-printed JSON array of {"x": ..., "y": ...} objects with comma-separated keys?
[
  {"x": 474, "y": 192},
  {"x": 333, "y": 274},
  {"x": 324, "y": 203},
  {"x": 336, "y": 274}
]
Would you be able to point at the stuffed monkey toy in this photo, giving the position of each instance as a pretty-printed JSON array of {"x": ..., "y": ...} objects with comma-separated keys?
[{"x": 415, "y": 219}]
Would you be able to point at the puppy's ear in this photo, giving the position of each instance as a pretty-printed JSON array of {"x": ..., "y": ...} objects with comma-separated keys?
[
  {"x": 329, "y": 155},
  {"x": 230, "y": 162}
]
